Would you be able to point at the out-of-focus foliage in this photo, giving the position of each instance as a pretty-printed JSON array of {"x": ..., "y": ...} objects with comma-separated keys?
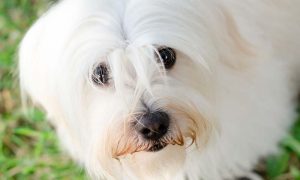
[{"x": 28, "y": 145}]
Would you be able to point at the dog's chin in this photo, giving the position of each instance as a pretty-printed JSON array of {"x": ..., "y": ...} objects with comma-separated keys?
[{"x": 152, "y": 164}]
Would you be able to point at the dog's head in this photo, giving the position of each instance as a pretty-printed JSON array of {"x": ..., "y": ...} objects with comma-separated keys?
[
  {"x": 128, "y": 85},
  {"x": 142, "y": 100}
]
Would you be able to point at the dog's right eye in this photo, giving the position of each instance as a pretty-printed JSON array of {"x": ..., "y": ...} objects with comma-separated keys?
[
  {"x": 100, "y": 75},
  {"x": 168, "y": 57}
]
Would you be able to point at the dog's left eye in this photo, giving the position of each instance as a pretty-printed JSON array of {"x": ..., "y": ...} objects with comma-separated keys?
[
  {"x": 168, "y": 57},
  {"x": 100, "y": 75}
]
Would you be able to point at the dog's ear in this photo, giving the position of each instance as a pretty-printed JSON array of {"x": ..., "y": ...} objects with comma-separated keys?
[
  {"x": 38, "y": 64},
  {"x": 33, "y": 74},
  {"x": 236, "y": 51},
  {"x": 35, "y": 64}
]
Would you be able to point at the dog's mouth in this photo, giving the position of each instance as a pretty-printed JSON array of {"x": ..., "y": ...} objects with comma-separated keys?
[
  {"x": 134, "y": 143},
  {"x": 157, "y": 147}
]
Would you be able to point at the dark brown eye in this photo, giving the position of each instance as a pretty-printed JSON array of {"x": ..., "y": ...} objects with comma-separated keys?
[
  {"x": 168, "y": 57},
  {"x": 100, "y": 75}
]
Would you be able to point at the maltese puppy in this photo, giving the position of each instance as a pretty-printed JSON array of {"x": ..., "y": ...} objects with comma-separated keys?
[{"x": 161, "y": 89}]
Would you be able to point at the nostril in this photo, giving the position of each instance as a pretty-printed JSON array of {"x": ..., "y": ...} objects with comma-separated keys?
[
  {"x": 162, "y": 128},
  {"x": 145, "y": 131}
]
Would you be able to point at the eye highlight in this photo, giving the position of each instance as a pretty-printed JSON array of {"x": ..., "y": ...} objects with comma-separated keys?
[
  {"x": 100, "y": 75},
  {"x": 168, "y": 57}
]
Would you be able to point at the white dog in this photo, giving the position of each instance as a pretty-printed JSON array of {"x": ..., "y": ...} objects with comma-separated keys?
[{"x": 166, "y": 89}]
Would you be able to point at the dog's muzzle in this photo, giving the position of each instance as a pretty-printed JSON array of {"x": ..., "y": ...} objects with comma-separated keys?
[{"x": 152, "y": 126}]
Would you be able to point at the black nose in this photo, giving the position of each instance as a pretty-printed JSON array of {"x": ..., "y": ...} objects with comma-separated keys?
[{"x": 153, "y": 125}]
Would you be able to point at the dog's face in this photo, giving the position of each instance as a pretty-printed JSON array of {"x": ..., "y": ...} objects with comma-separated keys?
[
  {"x": 140, "y": 101},
  {"x": 140, "y": 89},
  {"x": 127, "y": 85}
]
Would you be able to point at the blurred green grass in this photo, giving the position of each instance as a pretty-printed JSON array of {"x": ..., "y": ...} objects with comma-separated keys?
[{"x": 28, "y": 145}]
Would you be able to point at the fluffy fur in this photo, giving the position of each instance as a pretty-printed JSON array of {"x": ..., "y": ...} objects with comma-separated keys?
[{"x": 231, "y": 94}]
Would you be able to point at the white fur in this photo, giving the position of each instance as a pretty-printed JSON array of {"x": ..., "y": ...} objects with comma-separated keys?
[{"x": 236, "y": 75}]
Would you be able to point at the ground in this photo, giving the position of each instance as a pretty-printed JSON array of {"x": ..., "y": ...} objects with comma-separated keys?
[{"x": 28, "y": 145}]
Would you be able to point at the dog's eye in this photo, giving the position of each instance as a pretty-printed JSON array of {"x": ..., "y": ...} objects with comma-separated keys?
[
  {"x": 100, "y": 75},
  {"x": 168, "y": 57}
]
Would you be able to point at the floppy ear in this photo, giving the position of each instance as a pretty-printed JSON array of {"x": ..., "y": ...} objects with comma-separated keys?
[
  {"x": 34, "y": 70},
  {"x": 36, "y": 67},
  {"x": 40, "y": 57},
  {"x": 235, "y": 49},
  {"x": 38, "y": 70}
]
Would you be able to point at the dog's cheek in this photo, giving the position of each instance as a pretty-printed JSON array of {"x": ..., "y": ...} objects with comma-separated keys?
[{"x": 168, "y": 163}]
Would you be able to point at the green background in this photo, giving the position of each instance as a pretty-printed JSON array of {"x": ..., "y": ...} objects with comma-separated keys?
[{"x": 28, "y": 145}]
